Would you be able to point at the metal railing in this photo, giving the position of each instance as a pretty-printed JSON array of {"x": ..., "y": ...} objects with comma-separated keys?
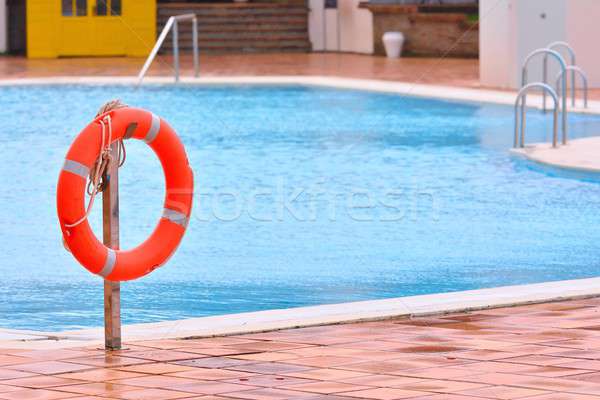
[
  {"x": 173, "y": 24},
  {"x": 575, "y": 70},
  {"x": 563, "y": 92},
  {"x": 520, "y": 105},
  {"x": 563, "y": 45}
]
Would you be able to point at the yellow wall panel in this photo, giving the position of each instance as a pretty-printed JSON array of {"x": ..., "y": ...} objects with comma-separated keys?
[
  {"x": 42, "y": 30},
  {"x": 50, "y": 34}
]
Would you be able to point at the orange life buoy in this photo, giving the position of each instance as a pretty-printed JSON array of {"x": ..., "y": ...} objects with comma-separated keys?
[{"x": 122, "y": 265}]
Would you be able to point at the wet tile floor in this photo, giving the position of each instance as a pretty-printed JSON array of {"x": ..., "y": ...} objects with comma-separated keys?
[
  {"x": 540, "y": 352},
  {"x": 452, "y": 71},
  {"x": 448, "y": 71}
]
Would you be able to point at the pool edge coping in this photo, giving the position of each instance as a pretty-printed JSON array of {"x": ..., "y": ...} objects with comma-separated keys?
[
  {"x": 536, "y": 153},
  {"x": 443, "y": 92},
  {"x": 329, "y": 314}
]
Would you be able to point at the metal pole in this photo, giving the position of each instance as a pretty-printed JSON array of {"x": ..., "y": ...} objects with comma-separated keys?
[
  {"x": 573, "y": 82},
  {"x": 545, "y": 79},
  {"x": 110, "y": 225},
  {"x": 555, "y": 126},
  {"x": 516, "y": 142},
  {"x": 195, "y": 45},
  {"x": 522, "y": 139},
  {"x": 324, "y": 26},
  {"x": 154, "y": 52},
  {"x": 585, "y": 90},
  {"x": 564, "y": 107},
  {"x": 176, "y": 49},
  {"x": 567, "y": 46},
  {"x": 338, "y": 31},
  {"x": 524, "y": 79}
]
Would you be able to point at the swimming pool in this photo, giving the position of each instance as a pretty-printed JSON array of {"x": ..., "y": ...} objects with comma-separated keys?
[{"x": 304, "y": 196}]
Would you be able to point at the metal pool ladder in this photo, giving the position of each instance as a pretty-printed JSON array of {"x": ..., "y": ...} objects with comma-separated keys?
[
  {"x": 520, "y": 105},
  {"x": 562, "y": 95},
  {"x": 173, "y": 24},
  {"x": 562, "y": 45},
  {"x": 575, "y": 70}
]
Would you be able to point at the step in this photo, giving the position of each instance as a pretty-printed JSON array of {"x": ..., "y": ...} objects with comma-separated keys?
[
  {"x": 231, "y": 44},
  {"x": 231, "y": 6},
  {"x": 240, "y": 27},
  {"x": 195, "y": 9},
  {"x": 259, "y": 14},
  {"x": 251, "y": 50},
  {"x": 246, "y": 19},
  {"x": 215, "y": 14},
  {"x": 245, "y": 28},
  {"x": 217, "y": 51},
  {"x": 268, "y": 35},
  {"x": 226, "y": 40}
]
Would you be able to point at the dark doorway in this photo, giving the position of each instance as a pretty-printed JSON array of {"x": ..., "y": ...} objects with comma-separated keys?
[{"x": 17, "y": 36}]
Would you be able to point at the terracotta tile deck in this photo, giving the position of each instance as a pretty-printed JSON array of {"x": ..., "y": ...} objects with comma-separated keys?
[
  {"x": 537, "y": 352},
  {"x": 460, "y": 72},
  {"x": 438, "y": 71}
]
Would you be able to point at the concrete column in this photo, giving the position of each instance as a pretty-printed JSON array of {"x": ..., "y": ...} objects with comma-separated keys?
[
  {"x": 3, "y": 27},
  {"x": 316, "y": 25},
  {"x": 332, "y": 33},
  {"x": 356, "y": 27},
  {"x": 323, "y": 26},
  {"x": 354, "y": 33}
]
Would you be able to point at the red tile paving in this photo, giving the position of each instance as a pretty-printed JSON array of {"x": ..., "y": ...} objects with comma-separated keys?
[
  {"x": 534, "y": 352},
  {"x": 438, "y": 71},
  {"x": 463, "y": 72}
]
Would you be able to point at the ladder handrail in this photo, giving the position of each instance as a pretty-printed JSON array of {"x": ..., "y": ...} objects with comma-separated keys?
[
  {"x": 172, "y": 23},
  {"x": 563, "y": 95},
  {"x": 522, "y": 102},
  {"x": 564, "y": 45},
  {"x": 567, "y": 46},
  {"x": 576, "y": 70}
]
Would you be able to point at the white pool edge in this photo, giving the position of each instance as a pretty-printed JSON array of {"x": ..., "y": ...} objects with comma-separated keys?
[
  {"x": 270, "y": 320},
  {"x": 382, "y": 86}
]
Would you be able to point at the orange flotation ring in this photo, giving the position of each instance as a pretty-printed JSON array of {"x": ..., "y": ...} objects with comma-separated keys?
[{"x": 122, "y": 265}]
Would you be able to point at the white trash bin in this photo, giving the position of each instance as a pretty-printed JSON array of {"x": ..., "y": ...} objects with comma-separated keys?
[{"x": 393, "y": 41}]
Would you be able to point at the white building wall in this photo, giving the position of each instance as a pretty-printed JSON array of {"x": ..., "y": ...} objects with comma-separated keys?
[
  {"x": 539, "y": 23},
  {"x": 354, "y": 33},
  {"x": 3, "y": 27},
  {"x": 332, "y": 35},
  {"x": 356, "y": 27},
  {"x": 496, "y": 60},
  {"x": 511, "y": 29},
  {"x": 316, "y": 24},
  {"x": 583, "y": 33}
]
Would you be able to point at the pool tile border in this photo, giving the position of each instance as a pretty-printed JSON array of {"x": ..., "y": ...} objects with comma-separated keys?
[{"x": 262, "y": 321}]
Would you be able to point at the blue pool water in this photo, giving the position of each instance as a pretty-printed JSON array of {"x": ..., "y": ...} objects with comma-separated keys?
[{"x": 305, "y": 196}]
